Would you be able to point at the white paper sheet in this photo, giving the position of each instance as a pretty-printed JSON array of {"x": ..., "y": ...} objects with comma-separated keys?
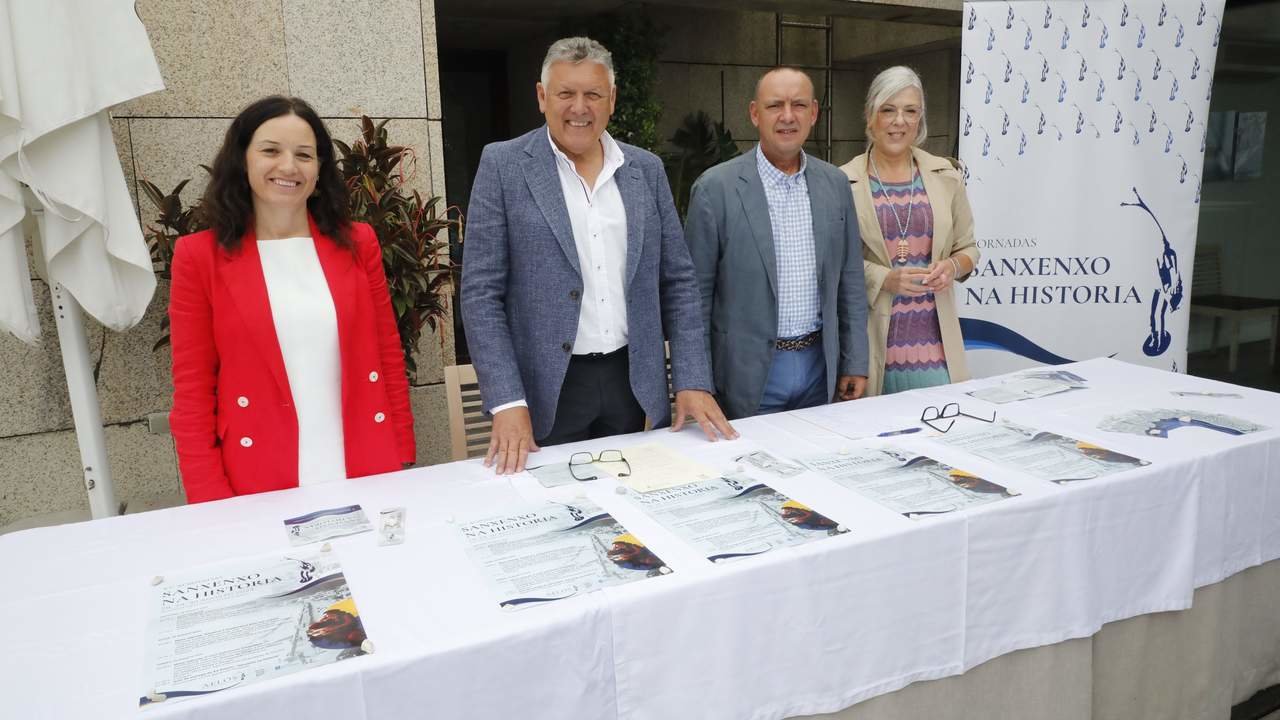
[
  {"x": 234, "y": 624},
  {"x": 324, "y": 525},
  {"x": 907, "y": 483},
  {"x": 555, "y": 551},
  {"x": 734, "y": 517}
]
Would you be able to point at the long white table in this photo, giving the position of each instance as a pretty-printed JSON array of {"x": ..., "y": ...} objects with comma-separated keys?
[{"x": 805, "y": 630}]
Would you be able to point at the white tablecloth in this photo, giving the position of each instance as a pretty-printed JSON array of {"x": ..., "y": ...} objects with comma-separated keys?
[{"x": 803, "y": 630}]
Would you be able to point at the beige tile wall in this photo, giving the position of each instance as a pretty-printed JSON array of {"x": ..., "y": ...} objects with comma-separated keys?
[{"x": 345, "y": 57}]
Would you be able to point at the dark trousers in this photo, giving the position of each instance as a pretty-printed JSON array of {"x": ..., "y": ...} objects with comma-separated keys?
[{"x": 595, "y": 400}]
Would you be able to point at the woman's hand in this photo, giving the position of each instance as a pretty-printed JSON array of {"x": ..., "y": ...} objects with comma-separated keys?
[
  {"x": 943, "y": 273},
  {"x": 907, "y": 281}
]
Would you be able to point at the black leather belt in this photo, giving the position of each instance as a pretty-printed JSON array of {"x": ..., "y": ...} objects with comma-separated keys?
[
  {"x": 800, "y": 343},
  {"x": 598, "y": 355}
]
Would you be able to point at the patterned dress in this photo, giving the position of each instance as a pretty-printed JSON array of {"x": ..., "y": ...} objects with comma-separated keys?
[{"x": 913, "y": 355}]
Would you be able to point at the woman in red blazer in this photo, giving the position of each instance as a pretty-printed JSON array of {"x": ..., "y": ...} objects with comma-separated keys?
[{"x": 286, "y": 356}]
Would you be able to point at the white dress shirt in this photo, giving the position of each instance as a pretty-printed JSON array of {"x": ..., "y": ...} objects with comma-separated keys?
[
  {"x": 599, "y": 222},
  {"x": 307, "y": 328}
]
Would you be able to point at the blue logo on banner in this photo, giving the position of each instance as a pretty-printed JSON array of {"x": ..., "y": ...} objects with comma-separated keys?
[
  {"x": 986, "y": 335},
  {"x": 1166, "y": 298}
]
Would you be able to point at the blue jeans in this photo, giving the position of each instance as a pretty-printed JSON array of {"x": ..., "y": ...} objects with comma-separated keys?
[{"x": 797, "y": 379}]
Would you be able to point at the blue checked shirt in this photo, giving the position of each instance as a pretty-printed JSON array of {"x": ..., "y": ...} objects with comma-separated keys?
[{"x": 799, "y": 306}]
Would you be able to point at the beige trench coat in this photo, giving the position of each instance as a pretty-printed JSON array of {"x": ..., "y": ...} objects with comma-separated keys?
[{"x": 952, "y": 235}]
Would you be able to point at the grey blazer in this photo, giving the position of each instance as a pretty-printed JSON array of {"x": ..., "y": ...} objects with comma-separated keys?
[
  {"x": 731, "y": 239},
  {"x": 521, "y": 284}
]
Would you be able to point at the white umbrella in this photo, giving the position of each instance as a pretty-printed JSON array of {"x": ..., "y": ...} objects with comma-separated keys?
[{"x": 63, "y": 63}]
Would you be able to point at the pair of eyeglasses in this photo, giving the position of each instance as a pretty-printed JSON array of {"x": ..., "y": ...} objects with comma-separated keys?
[
  {"x": 586, "y": 459},
  {"x": 950, "y": 412}
]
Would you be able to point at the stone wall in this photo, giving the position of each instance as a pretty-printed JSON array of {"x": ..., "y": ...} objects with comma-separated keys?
[{"x": 347, "y": 59}]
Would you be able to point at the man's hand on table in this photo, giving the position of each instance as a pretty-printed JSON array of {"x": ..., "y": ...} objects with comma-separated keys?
[
  {"x": 510, "y": 441},
  {"x": 705, "y": 411}
]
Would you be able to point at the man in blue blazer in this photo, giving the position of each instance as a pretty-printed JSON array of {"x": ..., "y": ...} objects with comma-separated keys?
[
  {"x": 774, "y": 237},
  {"x": 574, "y": 273}
]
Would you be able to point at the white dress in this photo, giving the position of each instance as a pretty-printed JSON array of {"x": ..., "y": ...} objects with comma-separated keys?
[{"x": 307, "y": 328}]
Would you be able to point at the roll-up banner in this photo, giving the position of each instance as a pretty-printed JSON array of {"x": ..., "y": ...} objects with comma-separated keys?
[{"x": 1082, "y": 134}]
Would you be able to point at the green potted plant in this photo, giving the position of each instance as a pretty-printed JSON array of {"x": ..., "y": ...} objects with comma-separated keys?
[{"x": 700, "y": 143}]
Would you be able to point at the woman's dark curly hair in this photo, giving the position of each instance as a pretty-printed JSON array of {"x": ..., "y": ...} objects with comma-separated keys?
[{"x": 228, "y": 200}]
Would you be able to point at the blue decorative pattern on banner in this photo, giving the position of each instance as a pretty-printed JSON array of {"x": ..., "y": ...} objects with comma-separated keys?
[{"x": 986, "y": 335}]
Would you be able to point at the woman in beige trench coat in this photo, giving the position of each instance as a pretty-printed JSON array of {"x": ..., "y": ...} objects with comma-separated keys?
[{"x": 917, "y": 235}]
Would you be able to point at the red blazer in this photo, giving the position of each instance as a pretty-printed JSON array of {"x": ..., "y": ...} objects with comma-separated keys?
[{"x": 233, "y": 419}]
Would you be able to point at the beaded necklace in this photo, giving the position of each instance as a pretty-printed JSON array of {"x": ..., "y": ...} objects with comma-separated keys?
[{"x": 903, "y": 246}]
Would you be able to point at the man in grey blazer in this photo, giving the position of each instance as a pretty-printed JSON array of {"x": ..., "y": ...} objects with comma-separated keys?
[
  {"x": 775, "y": 240},
  {"x": 574, "y": 273}
]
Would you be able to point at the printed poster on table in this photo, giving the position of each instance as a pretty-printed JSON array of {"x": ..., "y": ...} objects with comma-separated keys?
[
  {"x": 1044, "y": 455},
  {"x": 237, "y": 623},
  {"x": 326, "y": 524},
  {"x": 1160, "y": 422},
  {"x": 1030, "y": 386},
  {"x": 554, "y": 551},
  {"x": 734, "y": 517},
  {"x": 913, "y": 485}
]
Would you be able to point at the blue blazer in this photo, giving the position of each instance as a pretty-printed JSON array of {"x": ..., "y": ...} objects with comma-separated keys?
[{"x": 521, "y": 284}]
